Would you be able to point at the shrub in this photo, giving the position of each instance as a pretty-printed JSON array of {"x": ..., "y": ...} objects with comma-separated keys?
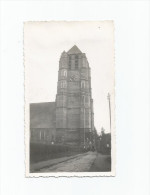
[{"x": 41, "y": 151}]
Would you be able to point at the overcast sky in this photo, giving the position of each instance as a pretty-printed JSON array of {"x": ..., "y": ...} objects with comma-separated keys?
[{"x": 43, "y": 44}]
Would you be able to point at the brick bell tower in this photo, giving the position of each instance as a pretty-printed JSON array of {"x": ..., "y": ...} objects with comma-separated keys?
[{"x": 74, "y": 103}]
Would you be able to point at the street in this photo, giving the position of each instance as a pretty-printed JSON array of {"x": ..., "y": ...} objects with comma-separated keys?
[
  {"x": 86, "y": 162},
  {"x": 102, "y": 163}
]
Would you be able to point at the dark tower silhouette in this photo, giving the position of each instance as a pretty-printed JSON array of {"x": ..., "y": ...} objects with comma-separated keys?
[{"x": 74, "y": 103}]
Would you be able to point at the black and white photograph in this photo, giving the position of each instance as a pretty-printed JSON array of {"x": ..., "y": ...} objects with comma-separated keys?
[
  {"x": 69, "y": 98},
  {"x": 74, "y": 97}
]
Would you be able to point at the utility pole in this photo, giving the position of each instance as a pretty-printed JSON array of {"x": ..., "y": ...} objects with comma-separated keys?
[
  {"x": 84, "y": 128},
  {"x": 108, "y": 97}
]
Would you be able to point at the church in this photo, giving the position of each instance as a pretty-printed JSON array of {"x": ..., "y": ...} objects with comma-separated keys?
[{"x": 70, "y": 118}]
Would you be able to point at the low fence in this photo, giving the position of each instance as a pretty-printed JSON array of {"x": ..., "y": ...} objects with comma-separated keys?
[{"x": 41, "y": 151}]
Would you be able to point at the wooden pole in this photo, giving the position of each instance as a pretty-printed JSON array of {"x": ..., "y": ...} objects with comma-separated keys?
[{"x": 108, "y": 97}]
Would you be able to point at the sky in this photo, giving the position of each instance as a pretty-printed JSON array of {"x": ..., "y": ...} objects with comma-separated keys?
[{"x": 43, "y": 44}]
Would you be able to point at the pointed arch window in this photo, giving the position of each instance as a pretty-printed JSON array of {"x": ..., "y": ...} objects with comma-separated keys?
[
  {"x": 76, "y": 64},
  {"x": 69, "y": 62},
  {"x": 63, "y": 84},
  {"x": 65, "y": 73},
  {"x": 76, "y": 61},
  {"x": 44, "y": 135},
  {"x": 40, "y": 135},
  {"x": 83, "y": 99},
  {"x": 82, "y": 84}
]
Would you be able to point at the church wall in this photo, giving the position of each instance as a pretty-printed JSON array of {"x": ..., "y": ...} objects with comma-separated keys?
[
  {"x": 73, "y": 86},
  {"x": 43, "y": 135},
  {"x": 42, "y": 122},
  {"x": 73, "y": 118},
  {"x": 85, "y": 118},
  {"x": 61, "y": 117},
  {"x": 61, "y": 100},
  {"x": 72, "y": 137},
  {"x": 73, "y": 101}
]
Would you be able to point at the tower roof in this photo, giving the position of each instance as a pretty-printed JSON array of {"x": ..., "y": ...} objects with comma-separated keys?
[
  {"x": 64, "y": 54},
  {"x": 74, "y": 50}
]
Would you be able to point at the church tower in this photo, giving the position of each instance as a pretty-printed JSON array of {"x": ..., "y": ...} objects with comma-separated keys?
[{"x": 74, "y": 103}]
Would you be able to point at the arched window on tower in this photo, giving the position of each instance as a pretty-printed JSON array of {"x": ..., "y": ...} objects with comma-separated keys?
[
  {"x": 40, "y": 136},
  {"x": 76, "y": 61},
  {"x": 82, "y": 84},
  {"x": 69, "y": 62},
  {"x": 89, "y": 100},
  {"x": 65, "y": 73},
  {"x": 83, "y": 99},
  {"x": 84, "y": 62},
  {"x": 63, "y": 84},
  {"x": 44, "y": 135},
  {"x": 62, "y": 72}
]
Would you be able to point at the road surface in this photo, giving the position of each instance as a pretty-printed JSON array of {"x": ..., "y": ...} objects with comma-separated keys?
[
  {"x": 86, "y": 162},
  {"x": 102, "y": 163}
]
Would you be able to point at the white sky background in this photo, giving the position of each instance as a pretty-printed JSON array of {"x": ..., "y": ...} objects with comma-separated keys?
[{"x": 43, "y": 44}]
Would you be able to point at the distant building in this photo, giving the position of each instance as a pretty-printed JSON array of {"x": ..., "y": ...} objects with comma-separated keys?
[{"x": 70, "y": 119}]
